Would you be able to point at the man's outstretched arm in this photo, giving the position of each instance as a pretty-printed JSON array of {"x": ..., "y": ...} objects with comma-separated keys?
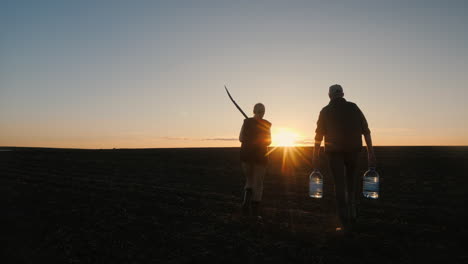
[
  {"x": 370, "y": 150},
  {"x": 367, "y": 137},
  {"x": 316, "y": 153},
  {"x": 319, "y": 134}
]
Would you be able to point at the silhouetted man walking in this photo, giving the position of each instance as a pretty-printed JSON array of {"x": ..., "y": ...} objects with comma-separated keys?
[
  {"x": 255, "y": 136},
  {"x": 342, "y": 124}
]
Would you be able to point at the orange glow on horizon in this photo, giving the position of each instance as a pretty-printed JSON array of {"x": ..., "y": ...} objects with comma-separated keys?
[{"x": 52, "y": 137}]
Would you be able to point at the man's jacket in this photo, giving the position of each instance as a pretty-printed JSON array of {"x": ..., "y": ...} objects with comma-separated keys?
[{"x": 342, "y": 124}]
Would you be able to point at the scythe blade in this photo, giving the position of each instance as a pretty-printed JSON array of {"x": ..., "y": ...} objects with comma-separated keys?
[{"x": 234, "y": 102}]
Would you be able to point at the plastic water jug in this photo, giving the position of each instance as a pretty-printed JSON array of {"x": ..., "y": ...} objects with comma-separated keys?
[
  {"x": 316, "y": 184},
  {"x": 370, "y": 187}
]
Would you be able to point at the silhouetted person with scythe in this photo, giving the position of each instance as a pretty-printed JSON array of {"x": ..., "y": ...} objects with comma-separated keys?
[
  {"x": 342, "y": 124},
  {"x": 255, "y": 136}
]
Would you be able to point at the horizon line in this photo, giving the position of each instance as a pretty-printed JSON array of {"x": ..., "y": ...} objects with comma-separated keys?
[{"x": 299, "y": 146}]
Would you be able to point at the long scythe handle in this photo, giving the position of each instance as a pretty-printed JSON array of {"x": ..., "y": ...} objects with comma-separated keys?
[{"x": 238, "y": 107}]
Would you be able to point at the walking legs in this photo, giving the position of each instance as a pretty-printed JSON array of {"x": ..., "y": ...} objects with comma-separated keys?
[
  {"x": 254, "y": 174},
  {"x": 344, "y": 169}
]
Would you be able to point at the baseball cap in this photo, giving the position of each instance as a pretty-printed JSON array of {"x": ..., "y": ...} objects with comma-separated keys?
[{"x": 335, "y": 89}]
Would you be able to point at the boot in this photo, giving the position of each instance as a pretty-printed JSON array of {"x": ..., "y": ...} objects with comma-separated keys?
[
  {"x": 256, "y": 209},
  {"x": 247, "y": 203},
  {"x": 353, "y": 213}
]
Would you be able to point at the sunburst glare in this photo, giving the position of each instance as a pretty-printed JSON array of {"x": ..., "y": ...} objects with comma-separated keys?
[{"x": 285, "y": 138}]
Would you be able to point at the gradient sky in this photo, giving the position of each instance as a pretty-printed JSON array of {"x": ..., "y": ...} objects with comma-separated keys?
[{"x": 133, "y": 74}]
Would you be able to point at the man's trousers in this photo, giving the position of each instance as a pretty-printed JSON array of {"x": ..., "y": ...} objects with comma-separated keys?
[{"x": 344, "y": 168}]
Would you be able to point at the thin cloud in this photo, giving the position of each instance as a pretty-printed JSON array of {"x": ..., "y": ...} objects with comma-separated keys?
[
  {"x": 178, "y": 138},
  {"x": 222, "y": 139},
  {"x": 201, "y": 139},
  {"x": 305, "y": 141}
]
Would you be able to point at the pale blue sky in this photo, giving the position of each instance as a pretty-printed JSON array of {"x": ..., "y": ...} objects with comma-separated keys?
[{"x": 103, "y": 74}]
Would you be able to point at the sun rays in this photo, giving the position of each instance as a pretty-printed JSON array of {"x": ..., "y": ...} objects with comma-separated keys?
[
  {"x": 293, "y": 154},
  {"x": 285, "y": 138}
]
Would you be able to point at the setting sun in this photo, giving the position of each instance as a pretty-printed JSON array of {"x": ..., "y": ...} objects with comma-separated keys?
[{"x": 284, "y": 138}]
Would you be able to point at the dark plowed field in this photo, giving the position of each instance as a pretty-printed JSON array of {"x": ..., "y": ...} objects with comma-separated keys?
[{"x": 181, "y": 206}]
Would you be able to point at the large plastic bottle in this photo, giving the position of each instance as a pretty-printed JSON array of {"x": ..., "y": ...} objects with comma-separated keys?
[
  {"x": 316, "y": 184},
  {"x": 370, "y": 187}
]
